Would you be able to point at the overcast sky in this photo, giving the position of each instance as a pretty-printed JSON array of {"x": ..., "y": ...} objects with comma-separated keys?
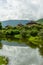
[{"x": 21, "y": 9}]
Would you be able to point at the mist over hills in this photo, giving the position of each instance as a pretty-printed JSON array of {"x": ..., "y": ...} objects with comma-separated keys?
[{"x": 14, "y": 22}]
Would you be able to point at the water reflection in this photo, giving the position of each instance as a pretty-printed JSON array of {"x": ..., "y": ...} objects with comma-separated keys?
[
  {"x": 41, "y": 50},
  {"x": 21, "y": 52},
  {"x": 20, "y": 42},
  {"x": 0, "y": 45}
]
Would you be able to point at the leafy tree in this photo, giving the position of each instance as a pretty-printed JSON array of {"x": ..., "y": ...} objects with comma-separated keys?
[
  {"x": 23, "y": 34},
  {"x": 8, "y": 27},
  {"x": 34, "y": 32},
  {"x": 0, "y": 25}
]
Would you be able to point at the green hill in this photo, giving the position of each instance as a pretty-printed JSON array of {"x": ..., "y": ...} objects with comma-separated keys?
[{"x": 40, "y": 21}]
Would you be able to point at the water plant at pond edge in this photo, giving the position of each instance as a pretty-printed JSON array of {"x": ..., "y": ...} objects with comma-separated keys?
[{"x": 3, "y": 60}]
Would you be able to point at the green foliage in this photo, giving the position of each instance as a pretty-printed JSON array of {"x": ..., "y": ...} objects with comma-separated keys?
[
  {"x": 25, "y": 31},
  {"x": 0, "y": 26},
  {"x": 34, "y": 33},
  {"x": 40, "y": 34},
  {"x": 40, "y": 21},
  {"x": 3, "y": 60},
  {"x": 31, "y": 34},
  {"x": 17, "y": 36},
  {"x": 36, "y": 40},
  {"x": 23, "y": 34},
  {"x": 8, "y": 27}
]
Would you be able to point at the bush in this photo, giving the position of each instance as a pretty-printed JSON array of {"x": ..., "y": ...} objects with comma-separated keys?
[
  {"x": 16, "y": 32},
  {"x": 23, "y": 34},
  {"x": 34, "y": 32}
]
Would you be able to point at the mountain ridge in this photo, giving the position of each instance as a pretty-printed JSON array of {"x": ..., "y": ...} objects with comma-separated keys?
[
  {"x": 14, "y": 22},
  {"x": 40, "y": 21}
]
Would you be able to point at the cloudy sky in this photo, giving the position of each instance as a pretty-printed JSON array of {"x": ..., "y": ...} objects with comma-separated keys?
[{"x": 21, "y": 9}]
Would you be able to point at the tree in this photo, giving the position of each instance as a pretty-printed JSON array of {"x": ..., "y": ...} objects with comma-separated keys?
[
  {"x": 23, "y": 34},
  {"x": 8, "y": 27},
  {"x": 0, "y": 25},
  {"x": 34, "y": 32}
]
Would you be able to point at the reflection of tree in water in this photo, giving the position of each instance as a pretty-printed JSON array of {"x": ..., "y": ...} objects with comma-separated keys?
[
  {"x": 0, "y": 45},
  {"x": 32, "y": 45},
  {"x": 41, "y": 50},
  {"x": 36, "y": 46}
]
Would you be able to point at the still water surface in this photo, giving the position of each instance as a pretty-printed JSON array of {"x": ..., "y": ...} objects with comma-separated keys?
[{"x": 20, "y": 54}]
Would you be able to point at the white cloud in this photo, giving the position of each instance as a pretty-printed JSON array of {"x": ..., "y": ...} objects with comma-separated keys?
[{"x": 21, "y": 9}]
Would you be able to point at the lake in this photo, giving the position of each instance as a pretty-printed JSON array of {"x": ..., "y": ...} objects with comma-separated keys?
[{"x": 20, "y": 53}]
